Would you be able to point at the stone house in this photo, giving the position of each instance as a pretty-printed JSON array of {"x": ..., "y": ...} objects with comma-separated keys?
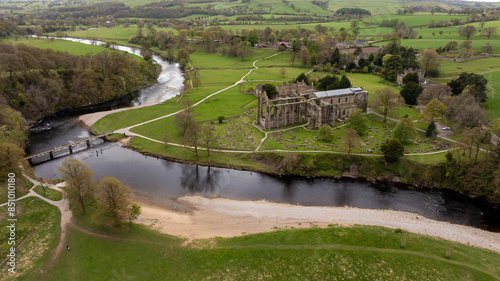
[{"x": 300, "y": 103}]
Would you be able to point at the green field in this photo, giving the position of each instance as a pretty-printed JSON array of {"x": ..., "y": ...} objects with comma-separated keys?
[
  {"x": 50, "y": 193},
  {"x": 493, "y": 102},
  {"x": 38, "y": 225},
  {"x": 363, "y": 253},
  {"x": 73, "y": 48}
]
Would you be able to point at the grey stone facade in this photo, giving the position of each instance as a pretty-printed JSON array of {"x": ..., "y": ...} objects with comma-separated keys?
[{"x": 297, "y": 103}]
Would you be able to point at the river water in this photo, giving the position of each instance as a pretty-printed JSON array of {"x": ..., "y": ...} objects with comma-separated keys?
[{"x": 165, "y": 180}]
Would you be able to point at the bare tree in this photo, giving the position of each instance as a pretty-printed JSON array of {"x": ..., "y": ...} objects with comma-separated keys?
[
  {"x": 283, "y": 71},
  {"x": 79, "y": 182},
  {"x": 193, "y": 137},
  {"x": 386, "y": 101},
  {"x": 465, "y": 111},
  {"x": 209, "y": 138},
  {"x": 187, "y": 105},
  {"x": 489, "y": 31},
  {"x": 44, "y": 186},
  {"x": 435, "y": 91},
  {"x": 183, "y": 121}
]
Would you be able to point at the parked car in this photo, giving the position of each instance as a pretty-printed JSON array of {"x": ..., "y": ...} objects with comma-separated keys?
[{"x": 446, "y": 128}]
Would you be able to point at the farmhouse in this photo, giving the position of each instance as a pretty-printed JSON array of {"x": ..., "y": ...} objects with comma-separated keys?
[{"x": 299, "y": 102}]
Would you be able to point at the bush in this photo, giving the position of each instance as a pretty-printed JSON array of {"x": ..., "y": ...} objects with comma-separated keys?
[
  {"x": 221, "y": 119},
  {"x": 392, "y": 149}
]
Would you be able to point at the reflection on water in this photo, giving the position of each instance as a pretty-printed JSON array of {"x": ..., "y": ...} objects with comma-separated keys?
[{"x": 169, "y": 180}]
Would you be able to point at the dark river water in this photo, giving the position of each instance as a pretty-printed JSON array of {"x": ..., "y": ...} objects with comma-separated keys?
[{"x": 165, "y": 180}]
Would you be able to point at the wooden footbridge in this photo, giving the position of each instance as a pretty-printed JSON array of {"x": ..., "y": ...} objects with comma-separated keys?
[{"x": 63, "y": 147}]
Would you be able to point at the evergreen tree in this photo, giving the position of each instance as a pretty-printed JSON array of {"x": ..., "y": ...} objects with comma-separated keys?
[
  {"x": 336, "y": 56},
  {"x": 344, "y": 82},
  {"x": 431, "y": 131},
  {"x": 410, "y": 92},
  {"x": 303, "y": 77}
]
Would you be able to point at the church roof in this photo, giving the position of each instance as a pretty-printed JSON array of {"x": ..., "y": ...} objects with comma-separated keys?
[{"x": 338, "y": 92}]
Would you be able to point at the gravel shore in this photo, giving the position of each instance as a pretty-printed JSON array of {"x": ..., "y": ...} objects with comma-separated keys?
[{"x": 228, "y": 218}]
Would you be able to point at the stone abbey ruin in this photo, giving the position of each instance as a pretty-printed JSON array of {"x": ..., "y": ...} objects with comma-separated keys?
[{"x": 300, "y": 103}]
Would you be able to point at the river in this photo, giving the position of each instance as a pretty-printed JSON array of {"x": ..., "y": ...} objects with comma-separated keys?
[{"x": 165, "y": 180}]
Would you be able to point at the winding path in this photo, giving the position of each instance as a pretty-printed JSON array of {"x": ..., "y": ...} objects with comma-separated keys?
[{"x": 126, "y": 131}]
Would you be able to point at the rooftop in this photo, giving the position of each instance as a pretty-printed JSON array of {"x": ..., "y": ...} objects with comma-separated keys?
[{"x": 338, "y": 92}]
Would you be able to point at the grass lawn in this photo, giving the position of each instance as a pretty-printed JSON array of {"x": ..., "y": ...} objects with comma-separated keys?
[
  {"x": 363, "y": 253},
  {"x": 73, "y": 48},
  {"x": 39, "y": 223},
  {"x": 454, "y": 69},
  {"x": 493, "y": 102},
  {"x": 227, "y": 103},
  {"x": 50, "y": 193},
  {"x": 422, "y": 44},
  {"x": 22, "y": 188},
  {"x": 117, "y": 33}
]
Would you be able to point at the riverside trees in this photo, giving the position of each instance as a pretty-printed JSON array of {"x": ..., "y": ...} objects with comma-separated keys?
[
  {"x": 41, "y": 81},
  {"x": 110, "y": 196}
]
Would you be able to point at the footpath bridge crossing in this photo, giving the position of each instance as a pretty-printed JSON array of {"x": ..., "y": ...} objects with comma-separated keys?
[{"x": 67, "y": 146}]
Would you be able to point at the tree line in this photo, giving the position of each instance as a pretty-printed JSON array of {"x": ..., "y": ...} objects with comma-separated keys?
[{"x": 40, "y": 81}]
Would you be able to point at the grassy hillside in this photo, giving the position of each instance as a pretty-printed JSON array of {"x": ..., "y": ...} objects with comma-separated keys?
[{"x": 360, "y": 253}]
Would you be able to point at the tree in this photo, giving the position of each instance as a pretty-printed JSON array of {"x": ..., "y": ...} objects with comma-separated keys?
[
  {"x": 465, "y": 111},
  {"x": 303, "y": 78},
  {"x": 270, "y": 90},
  {"x": 243, "y": 50},
  {"x": 11, "y": 156},
  {"x": 466, "y": 48},
  {"x": 329, "y": 82},
  {"x": 410, "y": 92},
  {"x": 133, "y": 212},
  {"x": 357, "y": 121},
  {"x": 283, "y": 72},
  {"x": 467, "y": 31},
  {"x": 434, "y": 91},
  {"x": 404, "y": 130},
  {"x": 344, "y": 82},
  {"x": 433, "y": 111},
  {"x": 187, "y": 105},
  {"x": 79, "y": 180},
  {"x": 10, "y": 63},
  {"x": 431, "y": 131},
  {"x": 113, "y": 205},
  {"x": 290, "y": 161},
  {"x": 392, "y": 149},
  {"x": 184, "y": 121},
  {"x": 208, "y": 137},
  {"x": 335, "y": 56},
  {"x": 350, "y": 139},
  {"x": 253, "y": 38},
  {"x": 303, "y": 55},
  {"x": 451, "y": 46},
  {"x": 326, "y": 132},
  {"x": 392, "y": 66},
  {"x": 430, "y": 60},
  {"x": 221, "y": 119},
  {"x": 410, "y": 77},
  {"x": 386, "y": 101},
  {"x": 476, "y": 82},
  {"x": 489, "y": 31},
  {"x": 44, "y": 186},
  {"x": 193, "y": 137}
]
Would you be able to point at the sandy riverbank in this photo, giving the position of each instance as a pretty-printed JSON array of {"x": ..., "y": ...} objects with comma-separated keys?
[
  {"x": 205, "y": 218},
  {"x": 91, "y": 118}
]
